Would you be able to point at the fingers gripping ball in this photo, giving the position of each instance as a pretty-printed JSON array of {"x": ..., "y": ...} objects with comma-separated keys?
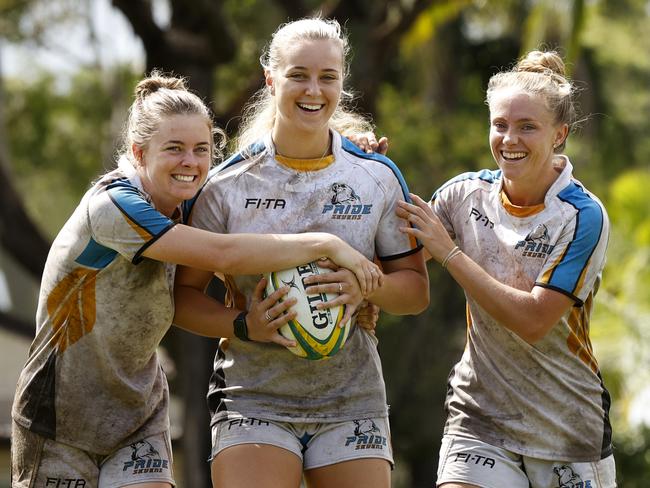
[{"x": 316, "y": 332}]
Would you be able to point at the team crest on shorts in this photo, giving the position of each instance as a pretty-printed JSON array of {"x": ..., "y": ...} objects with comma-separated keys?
[
  {"x": 567, "y": 478},
  {"x": 345, "y": 203},
  {"x": 366, "y": 436},
  {"x": 145, "y": 459}
]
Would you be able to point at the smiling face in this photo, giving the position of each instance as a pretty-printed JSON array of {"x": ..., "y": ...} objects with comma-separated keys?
[
  {"x": 307, "y": 87},
  {"x": 176, "y": 161},
  {"x": 523, "y": 134}
]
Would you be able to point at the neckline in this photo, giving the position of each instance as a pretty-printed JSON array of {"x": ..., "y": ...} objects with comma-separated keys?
[
  {"x": 517, "y": 210},
  {"x": 305, "y": 164}
]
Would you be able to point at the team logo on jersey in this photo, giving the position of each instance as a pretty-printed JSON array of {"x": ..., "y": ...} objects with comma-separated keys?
[
  {"x": 345, "y": 204},
  {"x": 567, "y": 478},
  {"x": 539, "y": 233},
  {"x": 366, "y": 436},
  {"x": 145, "y": 459},
  {"x": 535, "y": 244},
  {"x": 343, "y": 194}
]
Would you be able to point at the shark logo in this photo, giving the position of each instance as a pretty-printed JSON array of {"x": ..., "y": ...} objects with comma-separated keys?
[
  {"x": 143, "y": 450},
  {"x": 535, "y": 244},
  {"x": 365, "y": 426},
  {"x": 366, "y": 436},
  {"x": 343, "y": 194},
  {"x": 345, "y": 204},
  {"x": 145, "y": 459},
  {"x": 567, "y": 478},
  {"x": 539, "y": 233}
]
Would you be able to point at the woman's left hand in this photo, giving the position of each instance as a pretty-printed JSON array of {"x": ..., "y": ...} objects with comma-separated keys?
[
  {"x": 367, "y": 317},
  {"x": 341, "y": 281},
  {"x": 367, "y": 142}
]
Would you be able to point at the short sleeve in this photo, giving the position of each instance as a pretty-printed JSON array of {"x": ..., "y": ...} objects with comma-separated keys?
[
  {"x": 207, "y": 211},
  {"x": 123, "y": 220},
  {"x": 390, "y": 242},
  {"x": 578, "y": 257},
  {"x": 442, "y": 203}
]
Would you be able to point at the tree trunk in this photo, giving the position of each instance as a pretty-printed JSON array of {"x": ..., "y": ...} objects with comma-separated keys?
[{"x": 19, "y": 236}]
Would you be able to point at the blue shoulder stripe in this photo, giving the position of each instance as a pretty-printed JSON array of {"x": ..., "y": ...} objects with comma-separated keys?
[
  {"x": 587, "y": 234},
  {"x": 136, "y": 209},
  {"x": 96, "y": 256},
  {"x": 487, "y": 175},
  {"x": 350, "y": 147},
  {"x": 252, "y": 150}
]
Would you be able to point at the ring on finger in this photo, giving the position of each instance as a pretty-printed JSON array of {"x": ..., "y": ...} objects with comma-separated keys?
[
  {"x": 268, "y": 317},
  {"x": 340, "y": 288}
]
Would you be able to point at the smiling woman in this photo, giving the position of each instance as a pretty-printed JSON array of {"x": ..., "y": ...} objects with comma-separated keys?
[
  {"x": 271, "y": 409},
  {"x": 527, "y": 243},
  {"x": 307, "y": 87},
  {"x": 91, "y": 403},
  {"x": 176, "y": 160}
]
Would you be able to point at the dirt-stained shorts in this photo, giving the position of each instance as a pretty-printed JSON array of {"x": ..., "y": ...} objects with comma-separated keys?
[
  {"x": 465, "y": 460},
  {"x": 40, "y": 462},
  {"x": 316, "y": 444}
]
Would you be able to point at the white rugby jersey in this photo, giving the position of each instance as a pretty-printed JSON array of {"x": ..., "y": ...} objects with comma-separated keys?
[
  {"x": 93, "y": 378},
  {"x": 546, "y": 400},
  {"x": 354, "y": 198}
]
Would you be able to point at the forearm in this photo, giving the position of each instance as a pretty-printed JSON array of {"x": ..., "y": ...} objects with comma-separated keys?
[
  {"x": 518, "y": 310},
  {"x": 241, "y": 253},
  {"x": 270, "y": 252},
  {"x": 404, "y": 292},
  {"x": 202, "y": 315}
]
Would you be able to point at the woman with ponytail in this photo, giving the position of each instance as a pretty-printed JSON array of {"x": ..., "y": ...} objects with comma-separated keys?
[
  {"x": 526, "y": 403},
  {"x": 91, "y": 405}
]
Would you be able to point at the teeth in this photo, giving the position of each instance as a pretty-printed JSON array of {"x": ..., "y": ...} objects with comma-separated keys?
[
  {"x": 310, "y": 107},
  {"x": 513, "y": 155},
  {"x": 185, "y": 178}
]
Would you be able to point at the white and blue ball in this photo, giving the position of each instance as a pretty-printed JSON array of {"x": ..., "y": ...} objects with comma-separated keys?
[{"x": 317, "y": 333}]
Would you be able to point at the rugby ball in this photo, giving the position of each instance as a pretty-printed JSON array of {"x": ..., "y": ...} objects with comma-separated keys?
[{"x": 317, "y": 333}]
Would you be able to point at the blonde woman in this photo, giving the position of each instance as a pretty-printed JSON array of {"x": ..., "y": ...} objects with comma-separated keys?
[
  {"x": 275, "y": 415},
  {"x": 526, "y": 403}
]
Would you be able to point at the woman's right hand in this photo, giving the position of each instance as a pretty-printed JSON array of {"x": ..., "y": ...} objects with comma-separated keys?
[
  {"x": 427, "y": 227},
  {"x": 266, "y": 315},
  {"x": 369, "y": 275}
]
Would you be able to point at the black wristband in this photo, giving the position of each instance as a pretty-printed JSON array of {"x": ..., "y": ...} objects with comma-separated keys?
[{"x": 241, "y": 327}]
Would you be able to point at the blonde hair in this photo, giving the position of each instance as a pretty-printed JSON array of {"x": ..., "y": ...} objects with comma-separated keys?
[
  {"x": 259, "y": 114},
  {"x": 157, "y": 97},
  {"x": 541, "y": 73}
]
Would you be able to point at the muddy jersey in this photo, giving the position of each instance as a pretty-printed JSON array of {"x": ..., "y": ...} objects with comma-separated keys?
[
  {"x": 547, "y": 399},
  {"x": 354, "y": 198},
  {"x": 93, "y": 377}
]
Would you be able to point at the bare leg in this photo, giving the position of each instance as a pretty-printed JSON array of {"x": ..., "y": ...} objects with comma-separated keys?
[
  {"x": 358, "y": 473},
  {"x": 457, "y": 485},
  {"x": 256, "y": 465},
  {"x": 150, "y": 485}
]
